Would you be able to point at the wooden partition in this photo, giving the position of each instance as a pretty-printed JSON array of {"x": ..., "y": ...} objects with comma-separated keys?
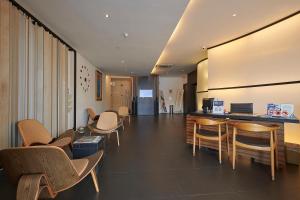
[{"x": 258, "y": 156}]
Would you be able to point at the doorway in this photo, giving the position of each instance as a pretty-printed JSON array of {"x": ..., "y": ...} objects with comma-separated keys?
[{"x": 121, "y": 92}]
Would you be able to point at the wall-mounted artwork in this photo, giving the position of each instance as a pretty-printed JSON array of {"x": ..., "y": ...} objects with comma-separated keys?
[
  {"x": 98, "y": 85},
  {"x": 84, "y": 76}
]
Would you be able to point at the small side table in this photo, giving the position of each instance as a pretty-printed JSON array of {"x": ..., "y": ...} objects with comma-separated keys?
[{"x": 87, "y": 145}]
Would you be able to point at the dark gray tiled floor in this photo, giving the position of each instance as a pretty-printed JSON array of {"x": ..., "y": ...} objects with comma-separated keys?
[{"x": 154, "y": 163}]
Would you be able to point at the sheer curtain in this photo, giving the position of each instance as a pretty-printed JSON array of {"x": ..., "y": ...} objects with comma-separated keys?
[{"x": 33, "y": 76}]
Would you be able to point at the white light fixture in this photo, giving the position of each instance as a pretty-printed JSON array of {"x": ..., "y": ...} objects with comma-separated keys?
[
  {"x": 106, "y": 15},
  {"x": 234, "y": 15},
  {"x": 125, "y": 35}
]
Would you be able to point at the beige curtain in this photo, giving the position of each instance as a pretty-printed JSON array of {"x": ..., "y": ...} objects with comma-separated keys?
[{"x": 33, "y": 78}]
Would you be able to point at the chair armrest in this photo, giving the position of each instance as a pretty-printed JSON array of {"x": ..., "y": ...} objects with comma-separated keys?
[{"x": 61, "y": 142}]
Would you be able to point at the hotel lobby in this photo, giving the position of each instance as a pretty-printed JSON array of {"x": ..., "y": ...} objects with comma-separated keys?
[{"x": 150, "y": 100}]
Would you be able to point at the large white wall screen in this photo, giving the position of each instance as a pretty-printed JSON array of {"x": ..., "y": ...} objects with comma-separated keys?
[{"x": 33, "y": 78}]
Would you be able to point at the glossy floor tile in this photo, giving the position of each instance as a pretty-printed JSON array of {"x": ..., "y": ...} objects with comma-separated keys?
[{"x": 154, "y": 163}]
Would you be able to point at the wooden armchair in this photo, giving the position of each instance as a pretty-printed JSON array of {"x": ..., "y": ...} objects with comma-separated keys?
[
  {"x": 92, "y": 117},
  {"x": 44, "y": 171},
  {"x": 106, "y": 125},
  {"x": 34, "y": 133},
  {"x": 123, "y": 112}
]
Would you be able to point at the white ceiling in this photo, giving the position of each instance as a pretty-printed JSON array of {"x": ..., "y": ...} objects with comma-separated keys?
[
  {"x": 83, "y": 24},
  {"x": 150, "y": 25},
  {"x": 210, "y": 22}
]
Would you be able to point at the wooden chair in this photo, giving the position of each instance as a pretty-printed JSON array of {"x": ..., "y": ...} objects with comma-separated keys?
[
  {"x": 203, "y": 134},
  {"x": 106, "y": 125},
  {"x": 92, "y": 117},
  {"x": 123, "y": 112},
  {"x": 44, "y": 171},
  {"x": 255, "y": 143},
  {"x": 34, "y": 133}
]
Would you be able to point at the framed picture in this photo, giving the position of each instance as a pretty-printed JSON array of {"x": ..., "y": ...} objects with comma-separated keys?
[{"x": 98, "y": 85}]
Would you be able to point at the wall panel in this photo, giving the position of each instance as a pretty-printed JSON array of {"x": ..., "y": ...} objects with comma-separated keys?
[
  {"x": 4, "y": 75},
  {"x": 268, "y": 56},
  {"x": 33, "y": 78}
]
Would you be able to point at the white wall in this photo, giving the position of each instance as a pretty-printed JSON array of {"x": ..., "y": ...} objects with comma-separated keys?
[
  {"x": 87, "y": 99},
  {"x": 268, "y": 56},
  {"x": 176, "y": 85}
]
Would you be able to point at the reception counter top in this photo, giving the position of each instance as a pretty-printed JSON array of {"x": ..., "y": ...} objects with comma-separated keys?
[{"x": 248, "y": 117}]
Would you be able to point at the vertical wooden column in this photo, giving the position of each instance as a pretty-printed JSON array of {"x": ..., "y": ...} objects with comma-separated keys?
[{"x": 4, "y": 73}]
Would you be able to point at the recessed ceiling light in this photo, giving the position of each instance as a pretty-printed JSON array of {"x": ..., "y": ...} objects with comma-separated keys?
[
  {"x": 106, "y": 15},
  {"x": 125, "y": 35},
  {"x": 234, "y": 15}
]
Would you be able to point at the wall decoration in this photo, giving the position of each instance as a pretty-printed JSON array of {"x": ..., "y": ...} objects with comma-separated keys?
[
  {"x": 162, "y": 100},
  {"x": 98, "y": 85},
  {"x": 84, "y": 76}
]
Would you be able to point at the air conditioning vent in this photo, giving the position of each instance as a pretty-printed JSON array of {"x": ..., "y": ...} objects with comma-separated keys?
[{"x": 164, "y": 66}]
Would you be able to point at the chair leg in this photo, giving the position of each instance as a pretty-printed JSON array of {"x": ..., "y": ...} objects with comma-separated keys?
[
  {"x": 199, "y": 143},
  {"x": 95, "y": 180},
  {"x": 29, "y": 187},
  {"x": 129, "y": 119},
  {"x": 227, "y": 138},
  {"x": 276, "y": 149},
  {"x": 233, "y": 149},
  {"x": 118, "y": 137},
  {"x": 220, "y": 145},
  {"x": 272, "y": 155},
  {"x": 220, "y": 150},
  {"x": 194, "y": 144},
  {"x": 272, "y": 165}
]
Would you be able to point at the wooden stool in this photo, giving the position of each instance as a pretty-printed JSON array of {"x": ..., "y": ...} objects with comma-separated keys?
[
  {"x": 255, "y": 143},
  {"x": 203, "y": 134}
]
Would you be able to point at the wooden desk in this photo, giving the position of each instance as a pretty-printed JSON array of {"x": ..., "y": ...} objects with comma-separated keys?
[{"x": 258, "y": 156}]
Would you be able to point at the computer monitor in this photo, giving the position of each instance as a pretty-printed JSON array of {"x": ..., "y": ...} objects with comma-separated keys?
[
  {"x": 207, "y": 104},
  {"x": 245, "y": 108}
]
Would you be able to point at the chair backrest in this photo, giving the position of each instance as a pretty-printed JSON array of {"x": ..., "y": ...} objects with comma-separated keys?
[
  {"x": 32, "y": 131},
  {"x": 123, "y": 111},
  {"x": 252, "y": 127},
  {"x": 107, "y": 121},
  {"x": 91, "y": 113},
  {"x": 49, "y": 160},
  {"x": 208, "y": 122}
]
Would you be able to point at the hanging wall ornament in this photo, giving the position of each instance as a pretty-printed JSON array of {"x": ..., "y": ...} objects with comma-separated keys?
[{"x": 84, "y": 78}]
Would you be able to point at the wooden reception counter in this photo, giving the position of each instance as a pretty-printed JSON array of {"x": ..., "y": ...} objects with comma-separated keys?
[{"x": 258, "y": 156}]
